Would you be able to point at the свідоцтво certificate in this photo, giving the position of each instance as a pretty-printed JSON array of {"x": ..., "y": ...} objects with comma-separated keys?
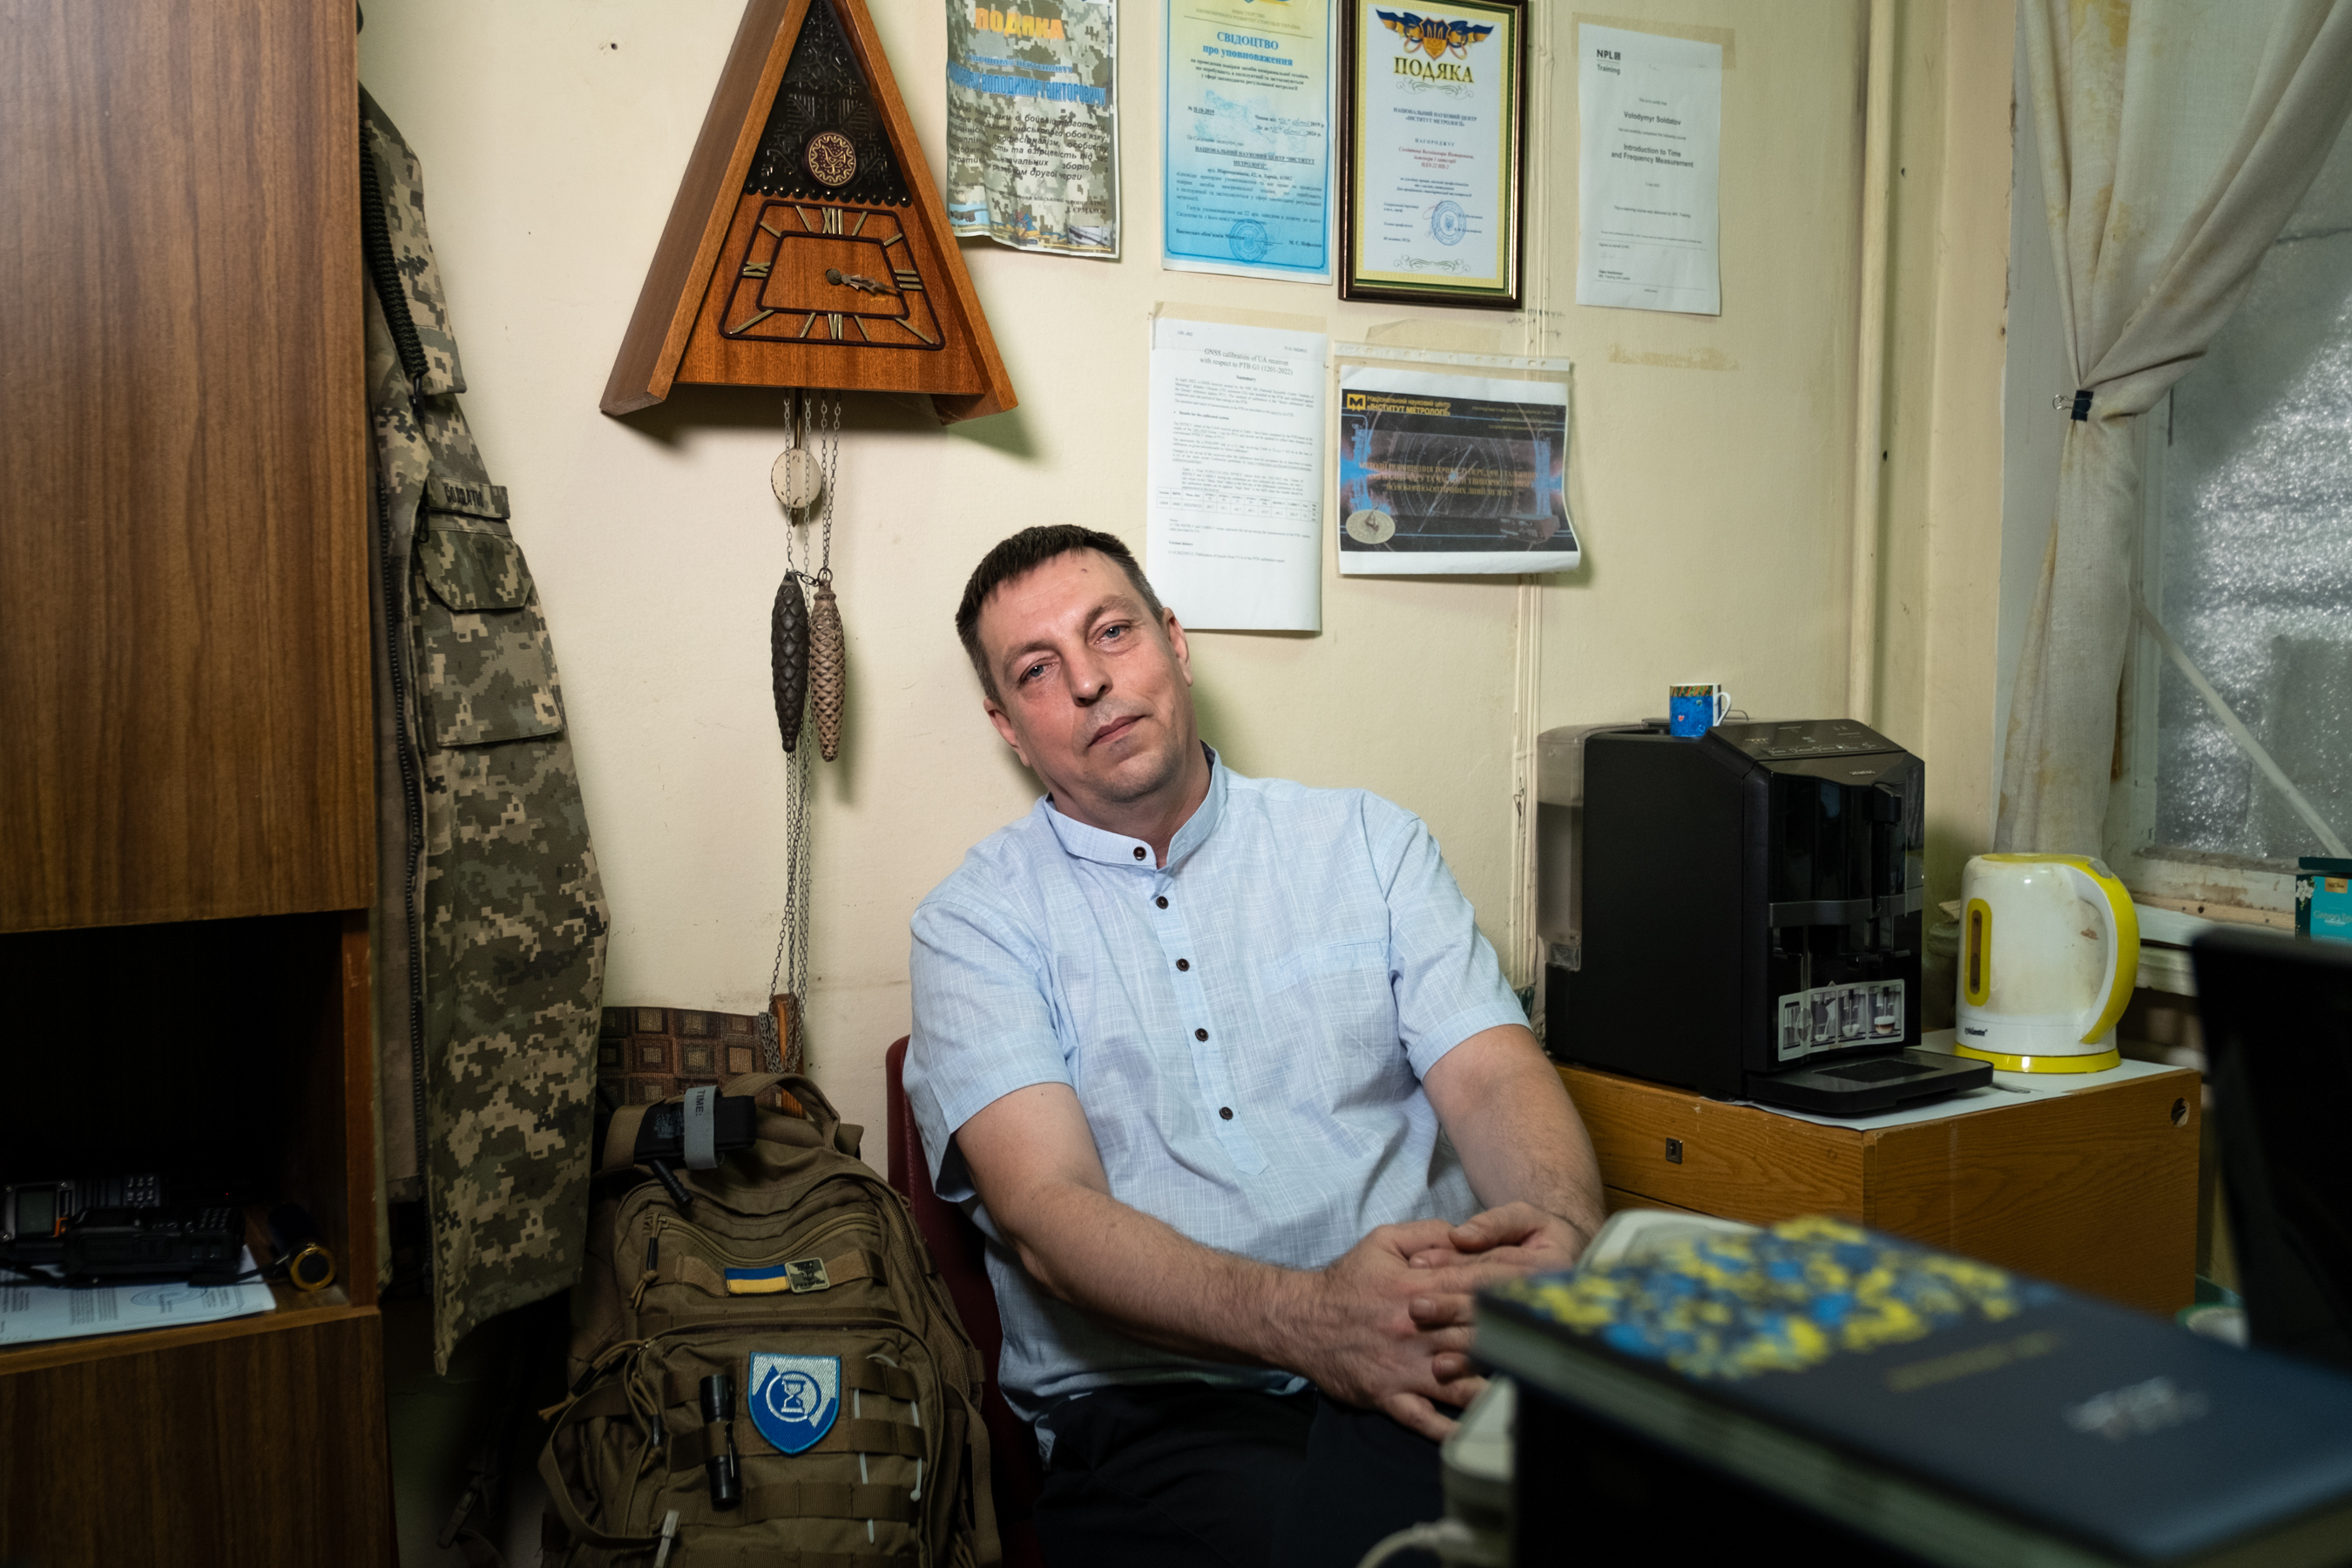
[{"x": 1248, "y": 138}]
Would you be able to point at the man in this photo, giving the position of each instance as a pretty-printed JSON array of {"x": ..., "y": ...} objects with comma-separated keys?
[{"x": 1190, "y": 1040}]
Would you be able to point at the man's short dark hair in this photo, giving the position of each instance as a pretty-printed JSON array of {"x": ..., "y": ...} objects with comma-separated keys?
[{"x": 1022, "y": 554}]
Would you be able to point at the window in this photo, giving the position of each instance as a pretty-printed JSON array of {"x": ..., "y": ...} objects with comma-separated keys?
[{"x": 2246, "y": 560}]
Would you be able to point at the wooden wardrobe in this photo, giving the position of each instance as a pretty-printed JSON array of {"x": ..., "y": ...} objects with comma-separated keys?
[{"x": 185, "y": 791}]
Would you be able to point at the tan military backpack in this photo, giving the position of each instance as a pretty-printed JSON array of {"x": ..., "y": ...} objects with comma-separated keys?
[{"x": 797, "y": 1274}]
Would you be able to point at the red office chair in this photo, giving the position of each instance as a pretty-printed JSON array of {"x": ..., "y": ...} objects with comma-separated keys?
[{"x": 957, "y": 1250}]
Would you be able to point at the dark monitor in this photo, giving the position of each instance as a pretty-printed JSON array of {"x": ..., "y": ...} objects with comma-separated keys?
[{"x": 2277, "y": 1017}]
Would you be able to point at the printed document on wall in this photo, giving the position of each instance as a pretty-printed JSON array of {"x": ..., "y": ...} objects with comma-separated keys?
[
  {"x": 1233, "y": 541},
  {"x": 1452, "y": 474},
  {"x": 1651, "y": 113},
  {"x": 1033, "y": 132},
  {"x": 1246, "y": 140}
]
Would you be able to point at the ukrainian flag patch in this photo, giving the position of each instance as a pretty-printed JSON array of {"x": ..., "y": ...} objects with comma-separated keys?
[
  {"x": 801, "y": 1274},
  {"x": 759, "y": 1281}
]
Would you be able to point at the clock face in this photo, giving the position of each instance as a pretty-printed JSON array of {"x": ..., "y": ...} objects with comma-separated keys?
[
  {"x": 835, "y": 271},
  {"x": 823, "y": 273}
]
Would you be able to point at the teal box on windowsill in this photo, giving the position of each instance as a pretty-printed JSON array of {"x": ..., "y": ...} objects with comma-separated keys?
[{"x": 2323, "y": 899}]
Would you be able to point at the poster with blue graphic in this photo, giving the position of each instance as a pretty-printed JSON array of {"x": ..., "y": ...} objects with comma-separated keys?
[
  {"x": 1452, "y": 474},
  {"x": 1248, "y": 142},
  {"x": 1032, "y": 125}
]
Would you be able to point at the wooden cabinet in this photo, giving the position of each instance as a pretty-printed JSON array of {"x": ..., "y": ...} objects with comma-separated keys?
[
  {"x": 2096, "y": 1189},
  {"x": 183, "y": 669},
  {"x": 188, "y": 789}
]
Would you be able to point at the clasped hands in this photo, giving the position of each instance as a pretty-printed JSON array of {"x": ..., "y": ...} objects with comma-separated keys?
[{"x": 1388, "y": 1324}]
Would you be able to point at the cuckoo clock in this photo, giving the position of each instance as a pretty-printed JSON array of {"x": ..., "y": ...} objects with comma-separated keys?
[{"x": 808, "y": 247}]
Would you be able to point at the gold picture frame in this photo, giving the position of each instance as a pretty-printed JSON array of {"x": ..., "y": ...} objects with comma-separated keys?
[{"x": 1432, "y": 152}]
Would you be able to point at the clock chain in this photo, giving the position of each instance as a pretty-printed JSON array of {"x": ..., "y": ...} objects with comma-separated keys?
[{"x": 807, "y": 420}]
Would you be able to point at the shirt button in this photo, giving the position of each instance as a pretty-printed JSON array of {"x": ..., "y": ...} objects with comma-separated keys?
[
  {"x": 1161, "y": 903},
  {"x": 1138, "y": 851},
  {"x": 1200, "y": 1034},
  {"x": 1226, "y": 1112},
  {"x": 1183, "y": 963}
]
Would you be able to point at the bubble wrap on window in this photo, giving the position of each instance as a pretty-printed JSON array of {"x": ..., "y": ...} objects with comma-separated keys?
[{"x": 2257, "y": 548}]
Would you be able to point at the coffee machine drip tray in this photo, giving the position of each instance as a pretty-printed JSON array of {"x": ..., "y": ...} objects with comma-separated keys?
[{"x": 1865, "y": 1085}]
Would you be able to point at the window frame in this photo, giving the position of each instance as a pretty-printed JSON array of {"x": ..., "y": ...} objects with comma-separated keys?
[{"x": 2168, "y": 874}]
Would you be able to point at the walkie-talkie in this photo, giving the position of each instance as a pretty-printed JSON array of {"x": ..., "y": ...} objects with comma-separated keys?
[
  {"x": 174, "y": 1242},
  {"x": 95, "y": 1229}
]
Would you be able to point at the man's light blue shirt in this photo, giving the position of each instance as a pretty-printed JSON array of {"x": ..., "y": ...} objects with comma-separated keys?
[{"x": 1246, "y": 1029}]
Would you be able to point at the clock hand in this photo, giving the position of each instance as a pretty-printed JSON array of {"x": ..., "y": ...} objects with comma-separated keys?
[{"x": 857, "y": 281}]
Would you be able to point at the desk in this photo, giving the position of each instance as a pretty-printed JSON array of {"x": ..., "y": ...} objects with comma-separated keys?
[{"x": 2094, "y": 1189}]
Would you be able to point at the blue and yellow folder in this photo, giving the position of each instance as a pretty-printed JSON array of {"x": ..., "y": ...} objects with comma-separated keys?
[{"x": 1940, "y": 1405}]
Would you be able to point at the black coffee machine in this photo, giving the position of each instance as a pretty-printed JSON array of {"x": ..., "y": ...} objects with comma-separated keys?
[{"x": 1747, "y": 915}]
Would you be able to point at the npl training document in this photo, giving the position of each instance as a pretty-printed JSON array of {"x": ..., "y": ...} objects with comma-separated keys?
[
  {"x": 1650, "y": 110},
  {"x": 1234, "y": 540}
]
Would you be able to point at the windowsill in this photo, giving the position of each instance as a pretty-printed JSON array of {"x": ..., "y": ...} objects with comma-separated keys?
[
  {"x": 2166, "y": 927},
  {"x": 2228, "y": 887}
]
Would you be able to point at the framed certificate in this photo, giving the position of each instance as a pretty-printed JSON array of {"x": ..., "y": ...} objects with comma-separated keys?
[{"x": 1431, "y": 131}]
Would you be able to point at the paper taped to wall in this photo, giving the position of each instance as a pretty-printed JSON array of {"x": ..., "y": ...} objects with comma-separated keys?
[
  {"x": 1236, "y": 521},
  {"x": 1452, "y": 474},
  {"x": 1245, "y": 138},
  {"x": 1032, "y": 126},
  {"x": 1649, "y": 113}
]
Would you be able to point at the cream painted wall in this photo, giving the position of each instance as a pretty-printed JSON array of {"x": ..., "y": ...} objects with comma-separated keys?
[
  {"x": 1709, "y": 474},
  {"x": 1941, "y": 506},
  {"x": 1712, "y": 455}
]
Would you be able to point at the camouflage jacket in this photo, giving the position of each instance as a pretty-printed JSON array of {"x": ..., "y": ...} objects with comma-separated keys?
[{"x": 492, "y": 919}]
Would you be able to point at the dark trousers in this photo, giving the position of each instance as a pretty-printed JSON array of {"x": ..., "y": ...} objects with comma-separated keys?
[{"x": 1179, "y": 1475}]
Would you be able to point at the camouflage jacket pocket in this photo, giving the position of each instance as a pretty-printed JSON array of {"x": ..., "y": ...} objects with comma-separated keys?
[{"x": 485, "y": 667}]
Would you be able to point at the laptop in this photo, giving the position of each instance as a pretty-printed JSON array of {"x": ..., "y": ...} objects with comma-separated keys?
[{"x": 2277, "y": 1017}]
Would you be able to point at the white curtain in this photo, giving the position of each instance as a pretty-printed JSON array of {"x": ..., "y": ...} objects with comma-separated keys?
[{"x": 2177, "y": 138}]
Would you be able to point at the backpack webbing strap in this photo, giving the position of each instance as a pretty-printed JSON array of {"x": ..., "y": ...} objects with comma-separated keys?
[
  {"x": 865, "y": 1435},
  {"x": 794, "y": 1499},
  {"x": 621, "y": 1137},
  {"x": 850, "y": 1434},
  {"x": 980, "y": 1484},
  {"x": 879, "y": 1377},
  {"x": 612, "y": 1398},
  {"x": 828, "y": 1499},
  {"x": 685, "y": 1269},
  {"x": 857, "y": 1264},
  {"x": 686, "y": 1388},
  {"x": 559, "y": 1491}
]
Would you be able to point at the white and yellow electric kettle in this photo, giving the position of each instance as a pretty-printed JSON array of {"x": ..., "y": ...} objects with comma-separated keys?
[{"x": 2049, "y": 951}]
